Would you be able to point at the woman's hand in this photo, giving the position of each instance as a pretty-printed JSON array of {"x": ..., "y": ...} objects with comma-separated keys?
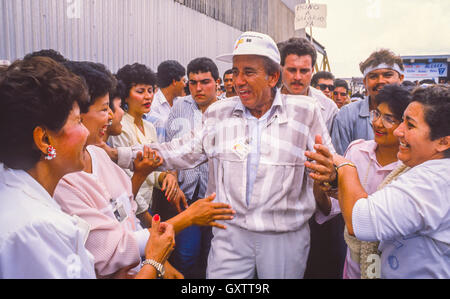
[
  {"x": 204, "y": 212},
  {"x": 178, "y": 200},
  {"x": 161, "y": 242},
  {"x": 146, "y": 162},
  {"x": 170, "y": 186}
]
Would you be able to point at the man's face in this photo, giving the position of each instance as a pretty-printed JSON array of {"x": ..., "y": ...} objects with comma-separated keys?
[
  {"x": 326, "y": 86},
  {"x": 297, "y": 73},
  {"x": 340, "y": 96},
  {"x": 252, "y": 84},
  {"x": 203, "y": 88},
  {"x": 377, "y": 79},
  {"x": 228, "y": 83}
]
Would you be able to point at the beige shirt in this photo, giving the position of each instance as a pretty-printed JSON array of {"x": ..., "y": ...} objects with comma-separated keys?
[
  {"x": 328, "y": 108},
  {"x": 282, "y": 199},
  {"x": 132, "y": 136}
]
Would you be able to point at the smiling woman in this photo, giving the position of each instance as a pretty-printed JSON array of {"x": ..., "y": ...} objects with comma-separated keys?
[
  {"x": 410, "y": 216},
  {"x": 40, "y": 120}
]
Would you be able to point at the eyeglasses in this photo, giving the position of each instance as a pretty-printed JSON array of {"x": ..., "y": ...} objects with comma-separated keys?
[
  {"x": 342, "y": 94},
  {"x": 324, "y": 87},
  {"x": 387, "y": 120}
]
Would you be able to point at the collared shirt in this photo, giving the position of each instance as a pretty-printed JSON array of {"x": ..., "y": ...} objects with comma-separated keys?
[
  {"x": 255, "y": 131},
  {"x": 328, "y": 107},
  {"x": 132, "y": 136},
  {"x": 159, "y": 125},
  {"x": 185, "y": 117},
  {"x": 411, "y": 219},
  {"x": 371, "y": 174},
  {"x": 37, "y": 239},
  {"x": 104, "y": 199},
  {"x": 160, "y": 107},
  {"x": 352, "y": 123},
  {"x": 282, "y": 199}
]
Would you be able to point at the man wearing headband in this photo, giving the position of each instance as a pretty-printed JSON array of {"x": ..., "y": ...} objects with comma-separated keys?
[
  {"x": 254, "y": 144},
  {"x": 353, "y": 121}
]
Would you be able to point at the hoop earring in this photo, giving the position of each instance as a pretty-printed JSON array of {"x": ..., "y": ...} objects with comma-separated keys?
[{"x": 51, "y": 153}]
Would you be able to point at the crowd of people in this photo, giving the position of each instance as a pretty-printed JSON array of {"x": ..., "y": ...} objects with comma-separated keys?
[{"x": 281, "y": 172}]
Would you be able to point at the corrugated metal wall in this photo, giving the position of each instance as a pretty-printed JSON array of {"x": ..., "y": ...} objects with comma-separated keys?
[
  {"x": 113, "y": 32},
  {"x": 273, "y": 17}
]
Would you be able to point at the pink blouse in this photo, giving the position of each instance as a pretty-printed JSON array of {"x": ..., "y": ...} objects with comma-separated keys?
[
  {"x": 371, "y": 174},
  {"x": 104, "y": 199}
]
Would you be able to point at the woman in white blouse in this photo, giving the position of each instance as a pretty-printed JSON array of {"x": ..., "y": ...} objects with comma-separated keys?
[
  {"x": 45, "y": 140},
  {"x": 137, "y": 100},
  {"x": 411, "y": 216}
]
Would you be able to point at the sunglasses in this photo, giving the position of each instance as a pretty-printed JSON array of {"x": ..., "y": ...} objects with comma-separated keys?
[
  {"x": 387, "y": 120},
  {"x": 324, "y": 87}
]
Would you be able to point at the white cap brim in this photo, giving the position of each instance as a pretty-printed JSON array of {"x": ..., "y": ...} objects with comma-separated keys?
[{"x": 225, "y": 58}]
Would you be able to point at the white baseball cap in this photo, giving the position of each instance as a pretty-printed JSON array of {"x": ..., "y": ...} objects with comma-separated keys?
[{"x": 254, "y": 43}]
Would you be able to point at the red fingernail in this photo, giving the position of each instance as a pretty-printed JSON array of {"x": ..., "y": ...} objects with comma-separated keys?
[
  {"x": 168, "y": 199},
  {"x": 156, "y": 218}
]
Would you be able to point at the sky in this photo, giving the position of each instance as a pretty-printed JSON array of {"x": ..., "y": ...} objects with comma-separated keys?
[{"x": 356, "y": 28}]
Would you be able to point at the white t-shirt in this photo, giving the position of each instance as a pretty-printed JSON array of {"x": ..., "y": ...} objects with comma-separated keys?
[{"x": 411, "y": 219}]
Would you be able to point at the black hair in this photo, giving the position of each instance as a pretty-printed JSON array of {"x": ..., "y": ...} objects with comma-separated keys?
[
  {"x": 321, "y": 75},
  {"x": 134, "y": 74},
  {"x": 117, "y": 92},
  {"x": 227, "y": 72},
  {"x": 98, "y": 78},
  {"x": 53, "y": 54},
  {"x": 396, "y": 97},
  {"x": 299, "y": 47},
  {"x": 34, "y": 92},
  {"x": 358, "y": 95},
  {"x": 168, "y": 71},
  {"x": 203, "y": 65},
  {"x": 436, "y": 102},
  {"x": 427, "y": 81},
  {"x": 341, "y": 83}
]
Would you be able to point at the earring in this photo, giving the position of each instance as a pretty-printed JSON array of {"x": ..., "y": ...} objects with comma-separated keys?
[{"x": 51, "y": 153}]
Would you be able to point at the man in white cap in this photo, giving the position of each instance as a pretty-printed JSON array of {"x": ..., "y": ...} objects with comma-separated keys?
[
  {"x": 255, "y": 144},
  {"x": 353, "y": 121}
]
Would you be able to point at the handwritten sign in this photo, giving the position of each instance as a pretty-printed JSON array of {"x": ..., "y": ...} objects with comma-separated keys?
[{"x": 310, "y": 15}]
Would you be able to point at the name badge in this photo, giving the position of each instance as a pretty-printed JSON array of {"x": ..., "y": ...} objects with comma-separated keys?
[
  {"x": 119, "y": 211},
  {"x": 242, "y": 148}
]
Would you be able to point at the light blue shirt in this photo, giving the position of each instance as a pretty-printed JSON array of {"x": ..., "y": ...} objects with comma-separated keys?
[
  {"x": 184, "y": 117},
  {"x": 351, "y": 123},
  {"x": 255, "y": 127}
]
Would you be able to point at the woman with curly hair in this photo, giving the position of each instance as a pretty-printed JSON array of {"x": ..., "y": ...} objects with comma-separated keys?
[{"x": 137, "y": 99}]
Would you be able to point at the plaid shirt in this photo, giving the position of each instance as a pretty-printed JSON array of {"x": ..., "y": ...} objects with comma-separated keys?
[{"x": 282, "y": 199}]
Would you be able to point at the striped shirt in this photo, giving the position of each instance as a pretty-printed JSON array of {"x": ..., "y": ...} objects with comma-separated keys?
[
  {"x": 185, "y": 117},
  {"x": 282, "y": 199}
]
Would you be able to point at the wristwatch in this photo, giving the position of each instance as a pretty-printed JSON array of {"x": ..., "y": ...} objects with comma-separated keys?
[{"x": 159, "y": 267}]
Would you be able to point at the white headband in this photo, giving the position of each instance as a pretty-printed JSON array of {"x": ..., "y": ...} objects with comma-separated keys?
[{"x": 394, "y": 67}]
